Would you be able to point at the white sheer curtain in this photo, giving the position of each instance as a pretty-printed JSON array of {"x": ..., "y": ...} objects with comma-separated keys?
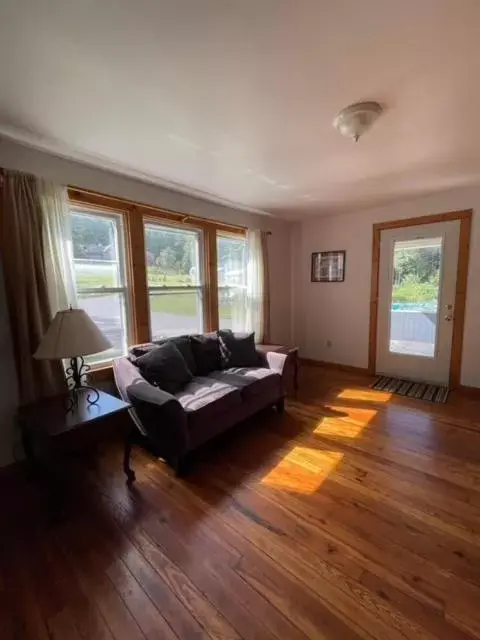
[
  {"x": 57, "y": 246},
  {"x": 255, "y": 284}
]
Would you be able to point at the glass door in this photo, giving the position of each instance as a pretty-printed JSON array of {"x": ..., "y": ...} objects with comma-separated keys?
[{"x": 418, "y": 272}]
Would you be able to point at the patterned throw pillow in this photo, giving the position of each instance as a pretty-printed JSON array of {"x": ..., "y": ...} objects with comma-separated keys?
[
  {"x": 206, "y": 353},
  {"x": 238, "y": 349}
]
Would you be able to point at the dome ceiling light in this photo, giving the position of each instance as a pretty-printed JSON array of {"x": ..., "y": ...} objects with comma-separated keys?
[{"x": 355, "y": 119}]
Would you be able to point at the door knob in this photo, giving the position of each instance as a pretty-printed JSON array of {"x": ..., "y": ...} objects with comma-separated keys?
[{"x": 448, "y": 318}]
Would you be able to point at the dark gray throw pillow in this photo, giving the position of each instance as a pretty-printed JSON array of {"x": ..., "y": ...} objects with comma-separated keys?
[
  {"x": 238, "y": 349},
  {"x": 183, "y": 344},
  {"x": 165, "y": 367},
  {"x": 206, "y": 353},
  {"x": 139, "y": 350}
]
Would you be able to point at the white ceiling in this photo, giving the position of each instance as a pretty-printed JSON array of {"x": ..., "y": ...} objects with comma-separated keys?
[{"x": 234, "y": 100}]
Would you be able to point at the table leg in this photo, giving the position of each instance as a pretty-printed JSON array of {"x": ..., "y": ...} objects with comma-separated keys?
[
  {"x": 28, "y": 449},
  {"x": 129, "y": 441},
  {"x": 295, "y": 373}
]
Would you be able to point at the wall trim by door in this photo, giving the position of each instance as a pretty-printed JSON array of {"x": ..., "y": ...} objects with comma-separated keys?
[{"x": 465, "y": 218}]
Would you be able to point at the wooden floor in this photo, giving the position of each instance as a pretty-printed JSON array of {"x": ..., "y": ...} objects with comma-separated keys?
[{"x": 355, "y": 515}]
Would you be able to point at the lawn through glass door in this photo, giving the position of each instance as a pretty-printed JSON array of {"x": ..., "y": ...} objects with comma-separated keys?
[{"x": 414, "y": 311}]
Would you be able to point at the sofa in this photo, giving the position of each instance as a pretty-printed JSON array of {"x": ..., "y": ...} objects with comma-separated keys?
[{"x": 177, "y": 419}]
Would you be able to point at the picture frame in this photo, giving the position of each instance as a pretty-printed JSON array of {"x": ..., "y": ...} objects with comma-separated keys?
[{"x": 328, "y": 266}]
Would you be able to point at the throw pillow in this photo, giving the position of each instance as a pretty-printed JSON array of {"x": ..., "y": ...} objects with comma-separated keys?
[
  {"x": 165, "y": 367},
  {"x": 238, "y": 349},
  {"x": 183, "y": 344},
  {"x": 206, "y": 353},
  {"x": 139, "y": 350}
]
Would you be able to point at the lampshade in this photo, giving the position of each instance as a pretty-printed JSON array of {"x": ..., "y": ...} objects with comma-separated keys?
[{"x": 71, "y": 333}]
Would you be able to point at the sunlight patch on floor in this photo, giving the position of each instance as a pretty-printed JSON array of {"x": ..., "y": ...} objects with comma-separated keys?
[
  {"x": 303, "y": 470},
  {"x": 368, "y": 395},
  {"x": 345, "y": 426}
]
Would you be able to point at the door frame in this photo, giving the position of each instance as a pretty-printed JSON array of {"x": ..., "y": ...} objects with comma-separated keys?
[{"x": 465, "y": 218}]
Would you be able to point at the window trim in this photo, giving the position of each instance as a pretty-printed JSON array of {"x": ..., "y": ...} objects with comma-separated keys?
[{"x": 134, "y": 216}]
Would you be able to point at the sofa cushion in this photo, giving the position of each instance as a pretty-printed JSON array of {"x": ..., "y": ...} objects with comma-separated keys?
[
  {"x": 250, "y": 381},
  {"x": 206, "y": 353},
  {"x": 165, "y": 367},
  {"x": 238, "y": 349},
  {"x": 204, "y": 398}
]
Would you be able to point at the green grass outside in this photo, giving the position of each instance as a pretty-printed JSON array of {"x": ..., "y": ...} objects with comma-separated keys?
[
  {"x": 184, "y": 304},
  {"x": 415, "y": 292}
]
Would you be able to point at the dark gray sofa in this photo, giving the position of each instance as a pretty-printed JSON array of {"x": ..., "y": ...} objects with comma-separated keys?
[{"x": 209, "y": 405}]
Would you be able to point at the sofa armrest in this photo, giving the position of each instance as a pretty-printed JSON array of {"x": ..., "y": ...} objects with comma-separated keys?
[
  {"x": 276, "y": 361},
  {"x": 157, "y": 414}
]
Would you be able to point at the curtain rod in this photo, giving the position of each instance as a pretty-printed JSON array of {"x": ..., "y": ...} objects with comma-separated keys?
[{"x": 183, "y": 216}]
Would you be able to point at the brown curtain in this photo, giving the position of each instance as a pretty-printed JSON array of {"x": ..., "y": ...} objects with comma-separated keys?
[
  {"x": 266, "y": 288},
  {"x": 26, "y": 286}
]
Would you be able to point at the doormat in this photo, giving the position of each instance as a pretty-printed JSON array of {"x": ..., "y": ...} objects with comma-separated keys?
[{"x": 419, "y": 390}]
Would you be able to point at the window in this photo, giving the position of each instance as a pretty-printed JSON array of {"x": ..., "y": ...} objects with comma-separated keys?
[
  {"x": 175, "y": 279},
  {"x": 101, "y": 282},
  {"x": 232, "y": 281}
]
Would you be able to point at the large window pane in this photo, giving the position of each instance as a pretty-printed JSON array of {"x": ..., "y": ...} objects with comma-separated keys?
[
  {"x": 100, "y": 275},
  {"x": 96, "y": 251},
  {"x": 232, "y": 281},
  {"x": 173, "y": 256},
  {"x": 175, "y": 280},
  {"x": 172, "y": 314},
  {"x": 415, "y": 295},
  {"x": 108, "y": 312}
]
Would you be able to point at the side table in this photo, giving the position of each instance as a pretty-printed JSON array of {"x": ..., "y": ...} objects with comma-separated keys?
[
  {"x": 46, "y": 424},
  {"x": 292, "y": 358}
]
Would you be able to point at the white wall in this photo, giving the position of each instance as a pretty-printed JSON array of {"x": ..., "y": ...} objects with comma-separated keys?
[
  {"x": 340, "y": 312},
  {"x": 22, "y": 158}
]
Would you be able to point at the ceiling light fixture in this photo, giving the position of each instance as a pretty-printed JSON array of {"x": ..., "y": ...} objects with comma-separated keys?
[{"x": 355, "y": 119}]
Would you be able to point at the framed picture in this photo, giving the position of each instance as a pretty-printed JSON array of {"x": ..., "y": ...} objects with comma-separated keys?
[{"x": 328, "y": 266}]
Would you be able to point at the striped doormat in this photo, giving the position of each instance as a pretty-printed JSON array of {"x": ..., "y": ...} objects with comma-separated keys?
[{"x": 420, "y": 390}]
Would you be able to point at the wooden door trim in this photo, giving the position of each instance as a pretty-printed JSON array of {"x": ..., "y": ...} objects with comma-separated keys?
[{"x": 465, "y": 218}]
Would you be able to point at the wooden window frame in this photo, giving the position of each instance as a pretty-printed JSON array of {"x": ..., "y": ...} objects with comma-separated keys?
[
  {"x": 134, "y": 216},
  {"x": 465, "y": 218}
]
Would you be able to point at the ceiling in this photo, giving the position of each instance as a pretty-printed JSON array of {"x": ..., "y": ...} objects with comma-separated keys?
[{"x": 234, "y": 101}]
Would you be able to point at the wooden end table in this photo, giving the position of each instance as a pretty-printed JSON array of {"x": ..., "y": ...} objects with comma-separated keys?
[
  {"x": 292, "y": 358},
  {"x": 45, "y": 425}
]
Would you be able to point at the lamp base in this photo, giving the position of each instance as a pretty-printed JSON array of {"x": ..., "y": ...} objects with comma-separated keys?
[{"x": 76, "y": 382}]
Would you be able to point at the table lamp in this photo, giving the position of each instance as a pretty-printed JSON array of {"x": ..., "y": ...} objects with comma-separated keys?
[{"x": 71, "y": 335}]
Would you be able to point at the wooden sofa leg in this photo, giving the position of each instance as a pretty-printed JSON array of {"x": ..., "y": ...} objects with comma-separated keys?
[
  {"x": 179, "y": 465},
  {"x": 127, "y": 453}
]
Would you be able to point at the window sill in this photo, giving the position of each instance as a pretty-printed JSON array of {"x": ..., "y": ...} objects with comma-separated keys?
[{"x": 102, "y": 371}]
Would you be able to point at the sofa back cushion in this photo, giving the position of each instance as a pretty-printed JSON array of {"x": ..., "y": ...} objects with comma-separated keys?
[
  {"x": 238, "y": 349},
  {"x": 165, "y": 367},
  {"x": 206, "y": 353}
]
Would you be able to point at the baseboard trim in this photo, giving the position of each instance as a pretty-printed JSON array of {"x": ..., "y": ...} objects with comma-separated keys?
[
  {"x": 335, "y": 365},
  {"x": 473, "y": 392}
]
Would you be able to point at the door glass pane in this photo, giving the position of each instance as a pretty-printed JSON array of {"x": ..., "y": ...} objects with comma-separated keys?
[
  {"x": 175, "y": 313},
  {"x": 232, "y": 281},
  {"x": 415, "y": 296}
]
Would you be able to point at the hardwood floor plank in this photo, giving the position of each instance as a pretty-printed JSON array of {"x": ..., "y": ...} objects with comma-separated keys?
[{"x": 355, "y": 514}]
